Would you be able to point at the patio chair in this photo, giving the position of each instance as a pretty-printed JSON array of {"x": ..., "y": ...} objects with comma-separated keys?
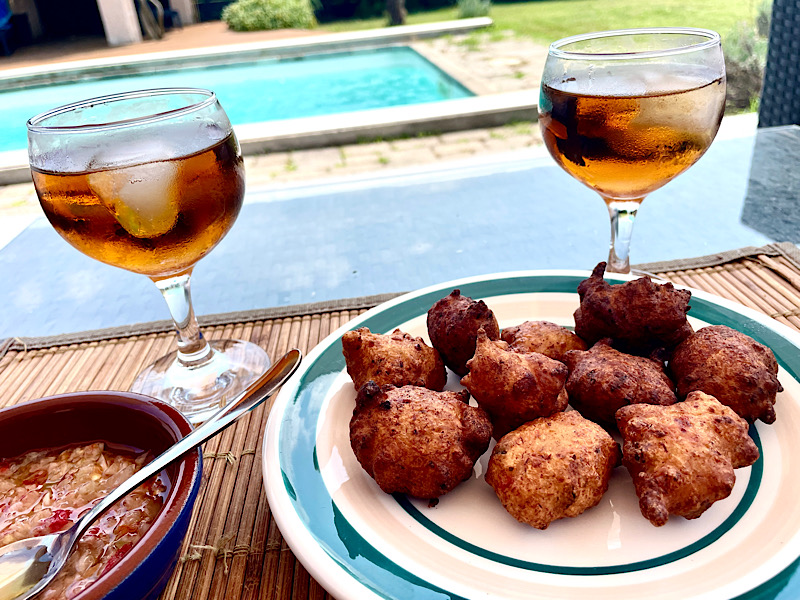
[
  {"x": 151, "y": 18},
  {"x": 780, "y": 95},
  {"x": 172, "y": 19},
  {"x": 5, "y": 27}
]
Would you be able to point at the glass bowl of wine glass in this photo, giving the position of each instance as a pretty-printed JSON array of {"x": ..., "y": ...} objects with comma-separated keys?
[
  {"x": 150, "y": 181},
  {"x": 624, "y": 112}
]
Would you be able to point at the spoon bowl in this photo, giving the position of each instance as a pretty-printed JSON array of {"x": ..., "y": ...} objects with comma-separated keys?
[{"x": 22, "y": 566}]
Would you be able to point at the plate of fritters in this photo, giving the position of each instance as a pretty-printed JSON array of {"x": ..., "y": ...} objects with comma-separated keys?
[{"x": 655, "y": 455}]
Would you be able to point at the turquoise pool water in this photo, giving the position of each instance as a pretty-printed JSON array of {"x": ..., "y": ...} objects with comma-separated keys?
[{"x": 264, "y": 90}]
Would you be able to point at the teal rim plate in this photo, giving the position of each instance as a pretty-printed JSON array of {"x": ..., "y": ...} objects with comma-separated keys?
[{"x": 359, "y": 542}]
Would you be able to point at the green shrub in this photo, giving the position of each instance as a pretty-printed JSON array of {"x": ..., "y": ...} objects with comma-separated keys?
[
  {"x": 745, "y": 49},
  {"x": 254, "y": 15},
  {"x": 473, "y": 8}
]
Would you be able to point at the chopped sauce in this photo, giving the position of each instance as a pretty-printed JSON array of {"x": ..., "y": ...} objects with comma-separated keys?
[{"x": 46, "y": 491}]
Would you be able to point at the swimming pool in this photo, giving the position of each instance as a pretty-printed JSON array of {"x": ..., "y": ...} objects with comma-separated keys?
[{"x": 262, "y": 90}]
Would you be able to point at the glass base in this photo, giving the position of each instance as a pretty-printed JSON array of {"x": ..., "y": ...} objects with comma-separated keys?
[{"x": 201, "y": 390}]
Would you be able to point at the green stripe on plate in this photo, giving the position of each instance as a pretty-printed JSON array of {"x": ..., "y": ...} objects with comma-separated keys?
[
  {"x": 749, "y": 495},
  {"x": 359, "y": 559}
]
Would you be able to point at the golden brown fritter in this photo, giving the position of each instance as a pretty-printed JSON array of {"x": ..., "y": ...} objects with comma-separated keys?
[
  {"x": 396, "y": 359},
  {"x": 732, "y": 367},
  {"x": 602, "y": 379},
  {"x": 682, "y": 457},
  {"x": 543, "y": 337},
  {"x": 415, "y": 441},
  {"x": 552, "y": 467},
  {"x": 638, "y": 315},
  {"x": 453, "y": 324},
  {"x": 513, "y": 387}
]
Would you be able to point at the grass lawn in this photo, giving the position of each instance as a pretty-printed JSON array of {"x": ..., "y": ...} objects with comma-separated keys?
[{"x": 549, "y": 20}]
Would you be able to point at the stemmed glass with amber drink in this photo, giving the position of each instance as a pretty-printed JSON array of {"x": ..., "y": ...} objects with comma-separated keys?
[
  {"x": 626, "y": 111},
  {"x": 150, "y": 181}
]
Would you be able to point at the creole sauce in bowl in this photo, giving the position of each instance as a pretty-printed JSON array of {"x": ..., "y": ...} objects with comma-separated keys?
[{"x": 58, "y": 455}]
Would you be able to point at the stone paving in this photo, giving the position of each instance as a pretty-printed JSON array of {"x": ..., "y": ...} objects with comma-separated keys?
[
  {"x": 499, "y": 59},
  {"x": 288, "y": 167}
]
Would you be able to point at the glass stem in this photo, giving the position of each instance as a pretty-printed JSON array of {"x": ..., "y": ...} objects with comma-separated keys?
[
  {"x": 622, "y": 213},
  {"x": 193, "y": 349}
]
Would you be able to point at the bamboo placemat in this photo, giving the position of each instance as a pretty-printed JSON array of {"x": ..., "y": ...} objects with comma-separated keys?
[{"x": 234, "y": 550}]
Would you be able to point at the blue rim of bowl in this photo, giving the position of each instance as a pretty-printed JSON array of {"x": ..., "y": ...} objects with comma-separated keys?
[{"x": 366, "y": 564}]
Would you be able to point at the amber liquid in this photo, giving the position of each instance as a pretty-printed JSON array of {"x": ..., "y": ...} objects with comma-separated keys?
[
  {"x": 626, "y": 146},
  {"x": 157, "y": 218}
]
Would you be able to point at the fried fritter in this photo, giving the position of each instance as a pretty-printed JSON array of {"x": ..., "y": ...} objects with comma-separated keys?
[
  {"x": 416, "y": 441},
  {"x": 513, "y": 387},
  {"x": 732, "y": 367},
  {"x": 543, "y": 337},
  {"x": 453, "y": 324},
  {"x": 682, "y": 457},
  {"x": 553, "y": 467},
  {"x": 397, "y": 359},
  {"x": 638, "y": 315},
  {"x": 602, "y": 379}
]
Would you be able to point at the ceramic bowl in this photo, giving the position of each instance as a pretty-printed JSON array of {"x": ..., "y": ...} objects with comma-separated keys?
[{"x": 130, "y": 420}]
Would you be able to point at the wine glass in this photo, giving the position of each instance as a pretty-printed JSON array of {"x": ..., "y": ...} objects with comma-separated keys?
[
  {"x": 624, "y": 112},
  {"x": 150, "y": 181}
]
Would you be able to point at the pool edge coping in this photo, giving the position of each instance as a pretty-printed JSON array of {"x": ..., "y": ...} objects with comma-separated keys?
[{"x": 280, "y": 48}]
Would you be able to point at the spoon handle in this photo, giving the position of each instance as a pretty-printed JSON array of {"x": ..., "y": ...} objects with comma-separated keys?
[{"x": 256, "y": 392}]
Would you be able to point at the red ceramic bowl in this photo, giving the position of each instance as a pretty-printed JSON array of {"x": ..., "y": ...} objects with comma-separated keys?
[{"x": 118, "y": 418}]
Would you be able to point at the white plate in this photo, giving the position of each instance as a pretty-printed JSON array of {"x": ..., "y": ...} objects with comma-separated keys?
[{"x": 359, "y": 542}]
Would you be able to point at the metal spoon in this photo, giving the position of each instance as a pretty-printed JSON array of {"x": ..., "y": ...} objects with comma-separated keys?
[{"x": 28, "y": 565}]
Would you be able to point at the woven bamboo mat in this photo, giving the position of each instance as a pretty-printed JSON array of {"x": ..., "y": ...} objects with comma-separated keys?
[{"x": 234, "y": 549}]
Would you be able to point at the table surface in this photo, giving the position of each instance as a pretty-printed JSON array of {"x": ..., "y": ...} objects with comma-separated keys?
[
  {"x": 234, "y": 549},
  {"x": 407, "y": 229}
]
